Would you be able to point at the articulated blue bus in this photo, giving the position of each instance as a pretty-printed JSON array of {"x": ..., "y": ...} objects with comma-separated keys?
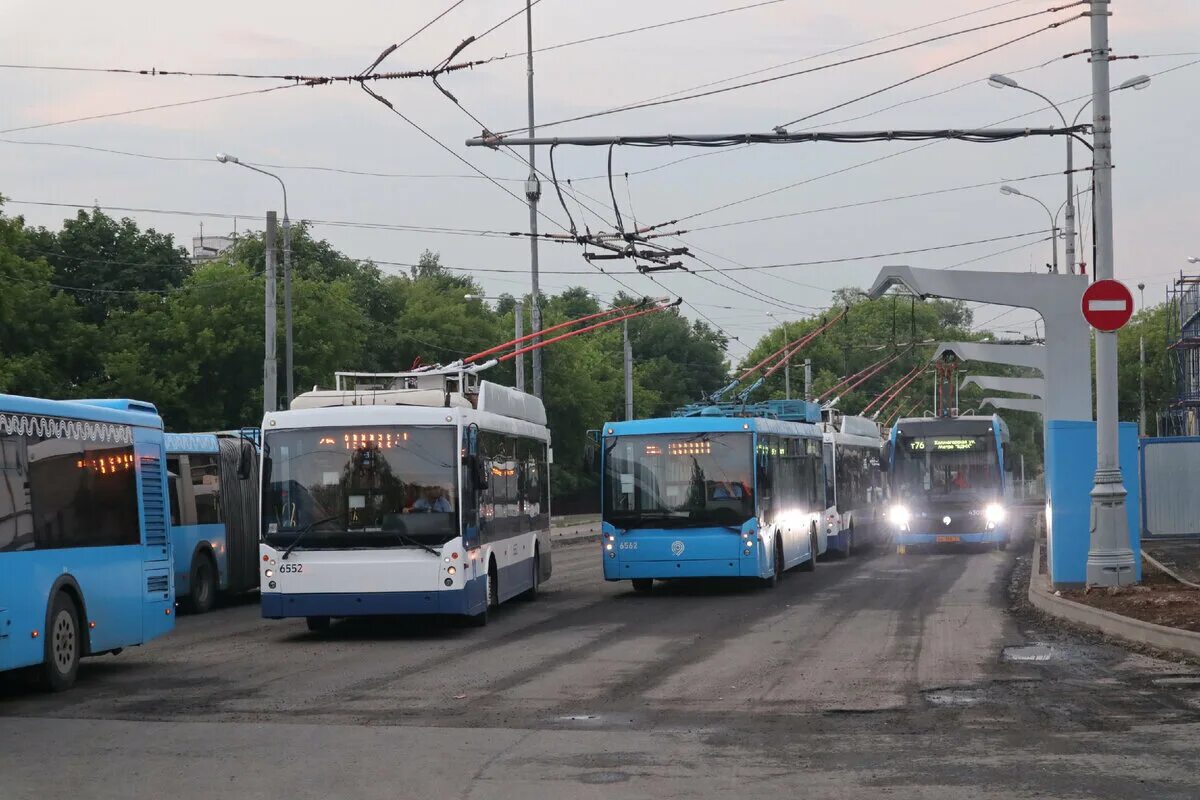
[
  {"x": 947, "y": 479},
  {"x": 726, "y": 492},
  {"x": 85, "y": 564},
  {"x": 214, "y": 515}
]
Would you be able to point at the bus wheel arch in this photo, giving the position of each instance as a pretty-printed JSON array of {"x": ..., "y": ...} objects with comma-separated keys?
[
  {"x": 66, "y": 584},
  {"x": 64, "y": 642},
  {"x": 203, "y": 579},
  {"x": 536, "y": 565},
  {"x": 492, "y": 587}
]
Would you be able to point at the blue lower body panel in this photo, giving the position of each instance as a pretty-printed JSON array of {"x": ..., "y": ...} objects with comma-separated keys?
[
  {"x": 839, "y": 543},
  {"x": 692, "y": 568},
  {"x": 981, "y": 537},
  {"x": 469, "y": 600}
]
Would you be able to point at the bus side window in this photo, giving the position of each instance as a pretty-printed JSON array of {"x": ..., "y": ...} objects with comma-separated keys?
[
  {"x": 16, "y": 514},
  {"x": 206, "y": 488},
  {"x": 173, "y": 482}
]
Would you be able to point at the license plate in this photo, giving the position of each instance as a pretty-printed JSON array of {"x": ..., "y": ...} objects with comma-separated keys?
[{"x": 947, "y": 539}]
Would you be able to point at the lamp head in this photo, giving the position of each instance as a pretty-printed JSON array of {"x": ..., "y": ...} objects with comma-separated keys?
[
  {"x": 998, "y": 81},
  {"x": 225, "y": 158},
  {"x": 1137, "y": 84},
  {"x": 1006, "y": 189}
]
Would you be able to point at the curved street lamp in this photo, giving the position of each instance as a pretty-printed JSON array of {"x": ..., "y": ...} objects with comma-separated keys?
[{"x": 1000, "y": 81}]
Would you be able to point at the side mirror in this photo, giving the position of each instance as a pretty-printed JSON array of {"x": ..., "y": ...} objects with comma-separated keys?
[
  {"x": 591, "y": 459},
  {"x": 885, "y": 456},
  {"x": 245, "y": 465},
  {"x": 1006, "y": 451}
]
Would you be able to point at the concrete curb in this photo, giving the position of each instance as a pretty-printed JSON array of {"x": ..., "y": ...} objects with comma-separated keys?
[
  {"x": 577, "y": 534},
  {"x": 1108, "y": 623}
]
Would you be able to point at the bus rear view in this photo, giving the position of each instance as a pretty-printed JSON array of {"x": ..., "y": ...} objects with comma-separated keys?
[{"x": 947, "y": 481}]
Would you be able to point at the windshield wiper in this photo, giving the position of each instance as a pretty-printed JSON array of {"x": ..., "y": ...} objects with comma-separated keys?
[
  {"x": 307, "y": 528},
  {"x": 404, "y": 537}
]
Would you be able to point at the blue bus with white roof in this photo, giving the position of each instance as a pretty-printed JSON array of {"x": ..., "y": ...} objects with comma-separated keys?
[
  {"x": 947, "y": 480},
  {"x": 85, "y": 561},
  {"x": 214, "y": 514},
  {"x": 719, "y": 491}
]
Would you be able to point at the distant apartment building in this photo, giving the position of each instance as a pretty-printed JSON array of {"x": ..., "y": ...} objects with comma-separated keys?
[{"x": 206, "y": 248}]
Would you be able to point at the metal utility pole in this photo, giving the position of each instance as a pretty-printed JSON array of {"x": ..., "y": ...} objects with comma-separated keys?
[
  {"x": 628, "y": 374},
  {"x": 518, "y": 332},
  {"x": 270, "y": 391},
  {"x": 1110, "y": 559},
  {"x": 1142, "y": 371},
  {"x": 808, "y": 379},
  {"x": 533, "y": 191}
]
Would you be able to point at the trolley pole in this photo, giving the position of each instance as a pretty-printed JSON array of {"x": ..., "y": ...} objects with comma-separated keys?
[
  {"x": 628, "y": 374},
  {"x": 1110, "y": 559},
  {"x": 808, "y": 379},
  {"x": 270, "y": 392}
]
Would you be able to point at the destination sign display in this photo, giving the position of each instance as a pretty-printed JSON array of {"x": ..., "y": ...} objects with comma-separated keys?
[{"x": 944, "y": 444}]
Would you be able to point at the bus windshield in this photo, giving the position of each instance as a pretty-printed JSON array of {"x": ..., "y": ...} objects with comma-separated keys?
[
  {"x": 678, "y": 480},
  {"x": 962, "y": 468},
  {"x": 360, "y": 487}
]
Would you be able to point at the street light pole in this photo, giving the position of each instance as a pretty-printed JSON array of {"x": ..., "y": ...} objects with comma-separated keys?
[
  {"x": 533, "y": 191},
  {"x": 270, "y": 364},
  {"x": 628, "y": 374},
  {"x": 225, "y": 158},
  {"x": 1110, "y": 559},
  {"x": 1011, "y": 190},
  {"x": 787, "y": 359},
  {"x": 1142, "y": 370},
  {"x": 518, "y": 332},
  {"x": 1003, "y": 81}
]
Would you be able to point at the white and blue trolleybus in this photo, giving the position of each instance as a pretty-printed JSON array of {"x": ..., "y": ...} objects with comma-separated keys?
[
  {"x": 85, "y": 562},
  {"x": 947, "y": 479},
  {"x": 422, "y": 492},
  {"x": 730, "y": 490},
  {"x": 854, "y": 484}
]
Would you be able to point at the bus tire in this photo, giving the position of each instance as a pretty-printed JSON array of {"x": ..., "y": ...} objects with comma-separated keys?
[
  {"x": 489, "y": 592},
  {"x": 63, "y": 645},
  {"x": 811, "y": 564},
  {"x": 1002, "y": 545},
  {"x": 532, "y": 592},
  {"x": 317, "y": 624},
  {"x": 643, "y": 585},
  {"x": 203, "y": 589}
]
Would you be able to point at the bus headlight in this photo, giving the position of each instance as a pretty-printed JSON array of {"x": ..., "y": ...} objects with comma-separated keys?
[
  {"x": 899, "y": 516},
  {"x": 994, "y": 513},
  {"x": 270, "y": 573}
]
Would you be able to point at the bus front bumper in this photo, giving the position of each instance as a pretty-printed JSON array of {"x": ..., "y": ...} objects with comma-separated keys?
[
  {"x": 469, "y": 600},
  {"x": 978, "y": 537}
]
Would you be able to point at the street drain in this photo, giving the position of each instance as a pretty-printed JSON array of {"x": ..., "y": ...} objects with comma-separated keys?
[
  {"x": 1029, "y": 653},
  {"x": 580, "y": 718},
  {"x": 604, "y": 777}
]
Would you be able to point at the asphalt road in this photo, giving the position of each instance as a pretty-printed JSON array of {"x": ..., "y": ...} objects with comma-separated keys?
[{"x": 881, "y": 676}]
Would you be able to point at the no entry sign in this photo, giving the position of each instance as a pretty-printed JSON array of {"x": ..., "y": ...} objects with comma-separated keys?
[{"x": 1107, "y": 305}]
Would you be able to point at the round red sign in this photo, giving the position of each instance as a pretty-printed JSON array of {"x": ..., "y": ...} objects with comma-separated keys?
[{"x": 1107, "y": 305}]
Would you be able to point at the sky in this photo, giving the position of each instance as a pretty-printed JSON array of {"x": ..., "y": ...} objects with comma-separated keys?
[{"x": 308, "y": 134}]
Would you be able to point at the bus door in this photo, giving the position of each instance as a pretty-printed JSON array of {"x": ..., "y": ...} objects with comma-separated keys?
[{"x": 15, "y": 520}]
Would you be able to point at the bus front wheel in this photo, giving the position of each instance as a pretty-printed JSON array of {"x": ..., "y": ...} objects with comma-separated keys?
[
  {"x": 317, "y": 624},
  {"x": 203, "y": 581},
  {"x": 60, "y": 664},
  {"x": 811, "y": 564},
  {"x": 643, "y": 585}
]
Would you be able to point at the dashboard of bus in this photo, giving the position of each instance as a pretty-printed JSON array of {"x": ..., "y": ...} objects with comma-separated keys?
[
  {"x": 678, "y": 480},
  {"x": 389, "y": 486}
]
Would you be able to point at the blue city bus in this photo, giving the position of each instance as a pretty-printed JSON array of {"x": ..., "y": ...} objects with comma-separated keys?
[
  {"x": 214, "y": 515},
  {"x": 947, "y": 480},
  {"x": 722, "y": 491},
  {"x": 85, "y": 566}
]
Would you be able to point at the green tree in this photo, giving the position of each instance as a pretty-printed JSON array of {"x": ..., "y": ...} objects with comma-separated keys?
[
  {"x": 42, "y": 338},
  {"x": 113, "y": 258},
  {"x": 1150, "y": 324}
]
